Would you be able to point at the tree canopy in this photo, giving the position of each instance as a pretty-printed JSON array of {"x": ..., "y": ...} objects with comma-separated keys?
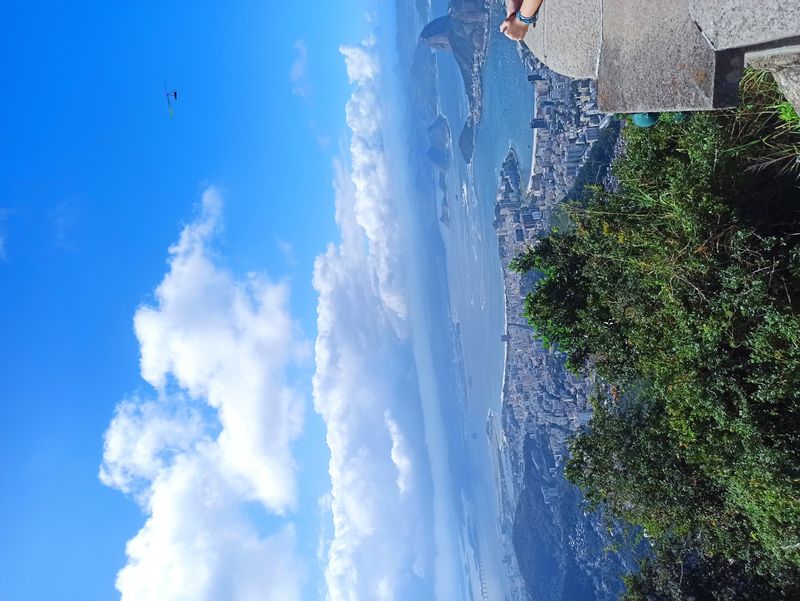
[{"x": 681, "y": 288}]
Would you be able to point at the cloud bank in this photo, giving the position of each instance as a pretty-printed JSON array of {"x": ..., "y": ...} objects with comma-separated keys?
[
  {"x": 369, "y": 175},
  {"x": 214, "y": 437},
  {"x": 365, "y": 386}
]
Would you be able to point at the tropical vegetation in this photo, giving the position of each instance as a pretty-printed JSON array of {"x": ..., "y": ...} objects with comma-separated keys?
[{"x": 680, "y": 289}]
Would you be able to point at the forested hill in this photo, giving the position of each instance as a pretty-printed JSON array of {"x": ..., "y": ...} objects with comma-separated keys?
[{"x": 681, "y": 291}]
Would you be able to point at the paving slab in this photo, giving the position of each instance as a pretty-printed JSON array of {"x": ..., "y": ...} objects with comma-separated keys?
[
  {"x": 655, "y": 58},
  {"x": 738, "y": 23},
  {"x": 567, "y": 36}
]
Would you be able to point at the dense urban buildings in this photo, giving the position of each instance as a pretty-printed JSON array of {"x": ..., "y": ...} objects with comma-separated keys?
[{"x": 543, "y": 403}]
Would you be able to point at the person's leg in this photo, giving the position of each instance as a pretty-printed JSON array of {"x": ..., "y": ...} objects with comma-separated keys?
[{"x": 513, "y": 27}]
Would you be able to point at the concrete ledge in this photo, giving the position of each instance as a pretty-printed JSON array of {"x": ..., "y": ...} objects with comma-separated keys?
[
  {"x": 738, "y": 23},
  {"x": 567, "y": 37},
  {"x": 654, "y": 58},
  {"x": 668, "y": 55}
]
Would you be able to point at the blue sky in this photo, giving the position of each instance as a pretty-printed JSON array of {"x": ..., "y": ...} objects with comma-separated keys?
[
  {"x": 95, "y": 184},
  {"x": 208, "y": 322}
]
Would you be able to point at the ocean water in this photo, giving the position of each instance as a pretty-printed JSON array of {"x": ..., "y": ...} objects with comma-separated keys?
[{"x": 475, "y": 281}]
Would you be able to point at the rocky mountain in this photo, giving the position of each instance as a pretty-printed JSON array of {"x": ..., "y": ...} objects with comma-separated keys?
[
  {"x": 422, "y": 85},
  {"x": 548, "y": 537},
  {"x": 465, "y": 33},
  {"x": 440, "y": 142}
]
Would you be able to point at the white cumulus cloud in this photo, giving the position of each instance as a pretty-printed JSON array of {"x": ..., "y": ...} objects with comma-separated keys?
[
  {"x": 216, "y": 436},
  {"x": 369, "y": 174},
  {"x": 143, "y": 439},
  {"x": 365, "y": 384},
  {"x": 198, "y": 545},
  {"x": 400, "y": 455}
]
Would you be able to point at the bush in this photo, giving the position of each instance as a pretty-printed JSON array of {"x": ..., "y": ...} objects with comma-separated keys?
[{"x": 682, "y": 289}]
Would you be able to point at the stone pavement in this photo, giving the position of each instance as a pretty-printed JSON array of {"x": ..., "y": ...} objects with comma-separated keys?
[
  {"x": 733, "y": 24},
  {"x": 654, "y": 58},
  {"x": 664, "y": 55},
  {"x": 567, "y": 37}
]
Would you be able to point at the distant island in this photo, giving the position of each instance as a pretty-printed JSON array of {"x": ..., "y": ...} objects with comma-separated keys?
[
  {"x": 464, "y": 31},
  {"x": 439, "y": 151}
]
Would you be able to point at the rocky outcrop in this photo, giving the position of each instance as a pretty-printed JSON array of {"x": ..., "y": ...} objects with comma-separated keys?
[
  {"x": 785, "y": 67},
  {"x": 440, "y": 143},
  {"x": 437, "y": 34},
  {"x": 422, "y": 86},
  {"x": 444, "y": 216},
  {"x": 465, "y": 33}
]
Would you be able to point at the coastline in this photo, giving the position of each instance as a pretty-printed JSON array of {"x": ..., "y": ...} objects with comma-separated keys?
[{"x": 543, "y": 404}]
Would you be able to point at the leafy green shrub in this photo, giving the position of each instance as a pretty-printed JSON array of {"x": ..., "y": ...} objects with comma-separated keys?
[{"x": 682, "y": 289}]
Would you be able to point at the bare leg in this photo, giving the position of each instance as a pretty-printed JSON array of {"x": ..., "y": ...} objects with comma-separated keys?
[
  {"x": 528, "y": 8},
  {"x": 512, "y": 6},
  {"x": 512, "y": 26}
]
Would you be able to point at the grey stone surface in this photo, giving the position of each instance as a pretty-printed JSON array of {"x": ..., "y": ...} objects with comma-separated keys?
[
  {"x": 567, "y": 36},
  {"x": 654, "y": 58},
  {"x": 785, "y": 66},
  {"x": 738, "y": 23},
  {"x": 664, "y": 55},
  {"x": 789, "y": 80}
]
